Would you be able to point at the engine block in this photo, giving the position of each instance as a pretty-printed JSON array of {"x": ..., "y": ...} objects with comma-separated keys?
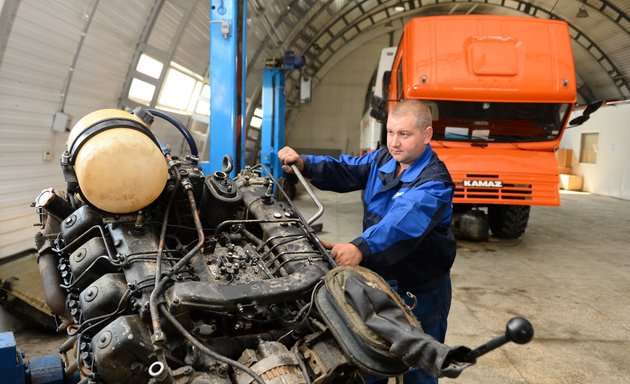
[
  {"x": 214, "y": 264},
  {"x": 161, "y": 274}
]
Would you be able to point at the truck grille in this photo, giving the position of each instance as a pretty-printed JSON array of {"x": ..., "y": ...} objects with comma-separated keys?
[{"x": 509, "y": 191}]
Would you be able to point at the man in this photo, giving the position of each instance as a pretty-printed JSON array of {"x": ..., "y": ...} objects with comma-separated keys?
[{"x": 407, "y": 213}]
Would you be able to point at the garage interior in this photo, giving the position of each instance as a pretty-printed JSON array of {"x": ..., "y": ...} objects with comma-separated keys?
[
  {"x": 567, "y": 274},
  {"x": 570, "y": 283}
]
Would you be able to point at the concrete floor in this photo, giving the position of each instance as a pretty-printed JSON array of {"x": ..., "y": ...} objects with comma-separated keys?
[{"x": 568, "y": 275}]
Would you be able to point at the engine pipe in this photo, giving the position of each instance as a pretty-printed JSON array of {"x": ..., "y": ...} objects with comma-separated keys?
[
  {"x": 180, "y": 127},
  {"x": 158, "y": 336},
  {"x": 159, "y": 372},
  {"x": 208, "y": 351},
  {"x": 47, "y": 262},
  {"x": 225, "y": 298},
  {"x": 54, "y": 295},
  {"x": 53, "y": 204},
  {"x": 320, "y": 207},
  {"x": 155, "y": 320}
]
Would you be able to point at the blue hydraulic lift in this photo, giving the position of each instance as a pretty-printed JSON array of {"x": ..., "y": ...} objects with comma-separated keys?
[
  {"x": 273, "y": 105},
  {"x": 272, "y": 128},
  {"x": 227, "y": 126},
  {"x": 225, "y": 77}
]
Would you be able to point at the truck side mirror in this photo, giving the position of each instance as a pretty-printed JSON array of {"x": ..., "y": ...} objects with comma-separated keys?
[
  {"x": 379, "y": 109},
  {"x": 387, "y": 76},
  {"x": 590, "y": 108}
]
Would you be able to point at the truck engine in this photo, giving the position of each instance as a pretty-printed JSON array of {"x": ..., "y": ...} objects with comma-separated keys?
[{"x": 159, "y": 273}]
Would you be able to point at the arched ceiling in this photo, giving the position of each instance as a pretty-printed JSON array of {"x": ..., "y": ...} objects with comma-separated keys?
[
  {"x": 62, "y": 59},
  {"x": 325, "y": 31}
]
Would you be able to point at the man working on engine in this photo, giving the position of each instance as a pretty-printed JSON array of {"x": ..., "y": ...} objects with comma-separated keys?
[{"x": 408, "y": 205}]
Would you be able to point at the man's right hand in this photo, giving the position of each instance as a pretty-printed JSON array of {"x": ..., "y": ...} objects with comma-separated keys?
[{"x": 288, "y": 156}]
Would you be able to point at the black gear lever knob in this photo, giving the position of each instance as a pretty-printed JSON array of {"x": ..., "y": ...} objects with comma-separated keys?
[{"x": 518, "y": 330}]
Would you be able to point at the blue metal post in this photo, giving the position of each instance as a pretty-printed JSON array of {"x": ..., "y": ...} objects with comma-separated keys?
[
  {"x": 243, "y": 85},
  {"x": 223, "y": 83},
  {"x": 12, "y": 369},
  {"x": 273, "y": 103}
]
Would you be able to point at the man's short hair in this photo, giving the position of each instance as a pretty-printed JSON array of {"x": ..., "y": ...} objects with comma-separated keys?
[{"x": 414, "y": 107}]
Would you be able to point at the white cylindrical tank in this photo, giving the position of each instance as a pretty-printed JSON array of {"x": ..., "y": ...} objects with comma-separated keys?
[{"x": 119, "y": 169}]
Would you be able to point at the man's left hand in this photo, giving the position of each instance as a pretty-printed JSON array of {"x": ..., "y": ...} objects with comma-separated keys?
[{"x": 346, "y": 254}]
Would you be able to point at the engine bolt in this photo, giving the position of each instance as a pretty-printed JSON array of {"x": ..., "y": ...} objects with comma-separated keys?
[
  {"x": 70, "y": 221},
  {"x": 80, "y": 254},
  {"x": 104, "y": 339},
  {"x": 85, "y": 356},
  {"x": 91, "y": 294},
  {"x": 117, "y": 243},
  {"x": 136, "y": 367},
  {"x": 222, "y": 369}
]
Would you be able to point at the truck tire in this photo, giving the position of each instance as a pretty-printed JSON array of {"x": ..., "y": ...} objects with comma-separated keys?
[{"x": 508, "y": 221}]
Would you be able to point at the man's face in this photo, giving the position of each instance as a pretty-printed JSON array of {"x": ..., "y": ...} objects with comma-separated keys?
[{"x": 405, "y": 141}]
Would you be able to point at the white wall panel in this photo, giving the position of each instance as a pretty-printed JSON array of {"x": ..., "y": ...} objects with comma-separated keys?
[
  {"x": 40, "y": 48},
  {"x": 192, "y": 50},
  {"x": 105, "y": 56},
  {"x": 332, "y": 120},
  {"x": 166, "y": 26},
  {"x": 610, "y": 175}
]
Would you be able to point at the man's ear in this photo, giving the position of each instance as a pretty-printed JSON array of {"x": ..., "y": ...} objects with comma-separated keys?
[{"x": 428, "y": 134}]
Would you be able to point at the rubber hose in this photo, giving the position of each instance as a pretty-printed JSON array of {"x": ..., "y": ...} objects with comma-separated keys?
[{"x": 187, "y": 136}]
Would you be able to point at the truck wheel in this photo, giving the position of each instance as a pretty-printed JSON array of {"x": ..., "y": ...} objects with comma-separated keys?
[{"x": 508, "y": 221}]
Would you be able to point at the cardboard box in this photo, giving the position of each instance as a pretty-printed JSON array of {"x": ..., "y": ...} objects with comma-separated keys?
[
  {"x": 564, "y": 157},
  {"x": 565, "y": 170},
  {"x": 571, "y": 182}
]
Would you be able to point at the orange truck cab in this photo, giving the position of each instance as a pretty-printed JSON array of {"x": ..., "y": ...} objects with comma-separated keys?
[{"x": 501, "y": 89}]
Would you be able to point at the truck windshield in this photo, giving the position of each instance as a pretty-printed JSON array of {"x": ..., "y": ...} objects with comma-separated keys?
[{"x": 497, "y": 122}]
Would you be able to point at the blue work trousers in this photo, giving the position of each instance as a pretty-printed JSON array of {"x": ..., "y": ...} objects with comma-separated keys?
[{"x": 432, "y": 310}]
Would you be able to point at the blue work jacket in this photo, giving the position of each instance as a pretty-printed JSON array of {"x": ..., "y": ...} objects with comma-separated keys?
[{"x": 406, "y": 223}]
